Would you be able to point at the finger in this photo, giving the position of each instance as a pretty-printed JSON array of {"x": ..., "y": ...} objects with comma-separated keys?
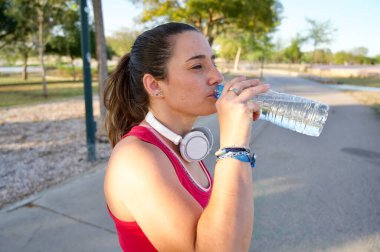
[
  {"x": 236, "y": 80},
  {"x": 250, "y": 83},
  {"x": 252, "y": 106},
  {"x": 248, "y": 93},
  {"x": 254, "y": 109},
  {"x": 256, "y": 115},
  {"x": 238, "y": 87},
  {"x": 232, "y": 82}
]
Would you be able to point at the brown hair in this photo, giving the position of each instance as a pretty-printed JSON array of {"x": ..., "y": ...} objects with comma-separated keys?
[{"x": 125, "y": 96}]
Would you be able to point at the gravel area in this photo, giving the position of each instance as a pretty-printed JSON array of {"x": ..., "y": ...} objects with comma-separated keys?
[{"x": 42, "y": 145}]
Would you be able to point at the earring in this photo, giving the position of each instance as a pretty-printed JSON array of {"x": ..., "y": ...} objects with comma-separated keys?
[{"x": 158, "y": 93}]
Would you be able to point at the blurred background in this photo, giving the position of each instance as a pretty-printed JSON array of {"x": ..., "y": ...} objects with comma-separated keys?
[{"x": 44, "y": 121}]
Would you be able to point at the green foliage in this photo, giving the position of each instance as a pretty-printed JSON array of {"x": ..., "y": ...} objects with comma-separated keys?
[
  {"x": 377, "y": 59},
  {"x": 293, "y": 52},
  {"x": 66, "y": 39},
  {"x": 320, "y": 32},
  {"x": 212, "y": 17},
  {"x": 8, "y": 23},
  {"x": 59, "y": 16},
  {"x": 355, "y": 56},
  {"x": 252, "y": 47},
  {"x": 121, "y": 41},
  {"x": 228, "y": 48},
  {"x": 22, "y": 14},
  {"x": 360, "y": 51},
  {"x": 343, "y": 57}
]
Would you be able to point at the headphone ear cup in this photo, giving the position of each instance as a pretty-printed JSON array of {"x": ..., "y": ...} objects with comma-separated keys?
[
  {"x": 208, "y": 134},
  {"x": 195, "y": 145}
]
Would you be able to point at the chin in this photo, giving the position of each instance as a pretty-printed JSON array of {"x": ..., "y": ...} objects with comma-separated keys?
[{"x": 209, "y": 111}]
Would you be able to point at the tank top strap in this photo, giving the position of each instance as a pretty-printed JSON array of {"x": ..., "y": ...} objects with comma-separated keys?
[{"x": 143, "y": 133}]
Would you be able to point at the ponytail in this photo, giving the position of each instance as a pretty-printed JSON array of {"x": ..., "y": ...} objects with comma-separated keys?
[
  {"x": 125, "y": 96},
  {"x": 126, "y": 101}
]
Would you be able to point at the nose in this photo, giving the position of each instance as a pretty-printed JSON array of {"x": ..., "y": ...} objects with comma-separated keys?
[{"x": 215, "y": 76}]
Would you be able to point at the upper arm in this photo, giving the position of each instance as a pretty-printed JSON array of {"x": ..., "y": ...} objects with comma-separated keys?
[{"x": 142, "y": 178}]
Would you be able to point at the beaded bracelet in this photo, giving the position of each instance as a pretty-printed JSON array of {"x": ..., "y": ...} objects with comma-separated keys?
[
  {"x": 225, "y": 150},
  {"x": 243, "y": 156}
]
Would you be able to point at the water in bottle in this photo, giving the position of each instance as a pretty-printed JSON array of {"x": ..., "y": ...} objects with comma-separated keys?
[{"x": 289, "y": 111}]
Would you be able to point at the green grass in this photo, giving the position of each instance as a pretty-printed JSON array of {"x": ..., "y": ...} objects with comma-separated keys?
[
  {"x": 4, "y": 80},
  {"x": 359, "y": 81},
  {"x": 21, "y": 94}
]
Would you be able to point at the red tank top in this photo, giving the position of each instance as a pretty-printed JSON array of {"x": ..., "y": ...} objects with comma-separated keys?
[{"x": 131, "y": 236}]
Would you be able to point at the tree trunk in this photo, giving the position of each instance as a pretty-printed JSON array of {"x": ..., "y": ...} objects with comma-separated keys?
[
  {"x": 41, "y": 48},
  {"x": 237, "y": 59},
  {"x": 74, "y": 73},
  {"x": 101, "y": 52},
  {"x": 25, "y": 67},
  {"x": 262, "y": 59}
]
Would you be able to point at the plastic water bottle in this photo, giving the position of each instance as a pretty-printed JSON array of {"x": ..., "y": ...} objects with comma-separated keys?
[{"x": 289, "y": 111}]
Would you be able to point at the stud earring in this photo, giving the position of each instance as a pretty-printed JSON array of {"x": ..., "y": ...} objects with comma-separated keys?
[{"x": 158, "y": 93}]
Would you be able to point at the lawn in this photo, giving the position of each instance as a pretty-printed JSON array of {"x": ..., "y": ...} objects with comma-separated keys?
[
  {"x": 30, "y": 93},
  {"x": 369, "y": 82}
]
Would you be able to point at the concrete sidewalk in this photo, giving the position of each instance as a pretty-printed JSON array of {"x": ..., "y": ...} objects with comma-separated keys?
[
  {"x": 71, "y": 216},
  {"x": 311, "y": 194}
]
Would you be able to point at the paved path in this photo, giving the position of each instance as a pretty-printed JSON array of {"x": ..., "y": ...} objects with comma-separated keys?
[
  {"x": 319, "y": 194},
  {"x": 311, "y": 194}
]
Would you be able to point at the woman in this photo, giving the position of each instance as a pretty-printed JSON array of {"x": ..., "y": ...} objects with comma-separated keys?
[{"x": 158, "y": 198}]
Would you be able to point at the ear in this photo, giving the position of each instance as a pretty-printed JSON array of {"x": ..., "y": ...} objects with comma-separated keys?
[{"x": 151, "y": 85}]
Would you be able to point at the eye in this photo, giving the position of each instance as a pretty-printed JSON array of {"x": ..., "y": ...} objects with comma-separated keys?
[{"x": 197, "y": 67}]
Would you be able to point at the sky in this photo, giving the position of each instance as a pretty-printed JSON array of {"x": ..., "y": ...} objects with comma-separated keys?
[{"x": 357, "y": 22}]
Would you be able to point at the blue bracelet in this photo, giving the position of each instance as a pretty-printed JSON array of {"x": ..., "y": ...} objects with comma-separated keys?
[
  {"x": 243, "y": 156},
  {"x": 225, "y": 150}
]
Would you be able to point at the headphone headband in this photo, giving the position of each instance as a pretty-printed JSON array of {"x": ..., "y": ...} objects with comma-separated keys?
[
  {"x": 194, "y": 146},
  {"x": 176, "y": 139}
]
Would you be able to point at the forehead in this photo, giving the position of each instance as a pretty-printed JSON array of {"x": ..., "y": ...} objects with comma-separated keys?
[{"x": 190, "y": 43}]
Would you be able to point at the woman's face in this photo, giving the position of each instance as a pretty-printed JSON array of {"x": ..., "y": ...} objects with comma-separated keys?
[{"x": 192, "y": 75}]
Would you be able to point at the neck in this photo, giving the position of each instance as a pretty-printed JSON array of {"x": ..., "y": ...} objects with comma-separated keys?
[{"x": 178, "y": 123}]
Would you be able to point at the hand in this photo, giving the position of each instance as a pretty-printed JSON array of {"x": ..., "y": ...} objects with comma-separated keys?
[{"x": 236, "y": 110}]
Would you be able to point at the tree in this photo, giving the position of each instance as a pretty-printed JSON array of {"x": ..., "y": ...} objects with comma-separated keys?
[
  {"x": 293, "y": 52},
  {"x": 263, "y": 48},
  {"x": 343, "y": 57},
  {"x": 377, "y": 59},
  {"x": 8, "y": 23},
  {"x": 22, "y": 39},
  {"x": 101, "y": 53},
  {"x": 48, "y": 16},
  {"x": 360, "y": 51},
  {"x": 31, "y": 22},
  {"x": 121, "y": 41},
  {"x": 212, "y": 17},
  {"x": 232, "y": 43},
  {"x": 66, "y": 41},
  {"x": 320, "y": 33}
]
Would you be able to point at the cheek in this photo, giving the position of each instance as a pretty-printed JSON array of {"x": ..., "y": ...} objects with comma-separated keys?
[{"x": 187, "y": 92}]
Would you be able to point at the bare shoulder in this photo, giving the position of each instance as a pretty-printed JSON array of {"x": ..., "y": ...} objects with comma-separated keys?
[
  {"x": 141, "y": 185},
  {"x": 135, "y": 168},
  {"x": 131, "y": 155}
]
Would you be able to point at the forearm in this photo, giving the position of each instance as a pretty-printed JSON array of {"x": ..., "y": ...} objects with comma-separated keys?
[{"x": 227, "y": 222}]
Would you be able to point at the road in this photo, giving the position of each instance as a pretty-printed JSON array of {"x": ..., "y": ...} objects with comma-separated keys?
[
  {"x": 311, "y": 194},
  {"x": 317, "y": 194}
]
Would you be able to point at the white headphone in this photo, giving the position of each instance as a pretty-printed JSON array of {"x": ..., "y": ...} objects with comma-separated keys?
[{"x": 194, "y": 146}]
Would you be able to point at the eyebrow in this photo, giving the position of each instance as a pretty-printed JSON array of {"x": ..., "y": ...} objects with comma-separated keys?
[{"x": 200, "y": 56}]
